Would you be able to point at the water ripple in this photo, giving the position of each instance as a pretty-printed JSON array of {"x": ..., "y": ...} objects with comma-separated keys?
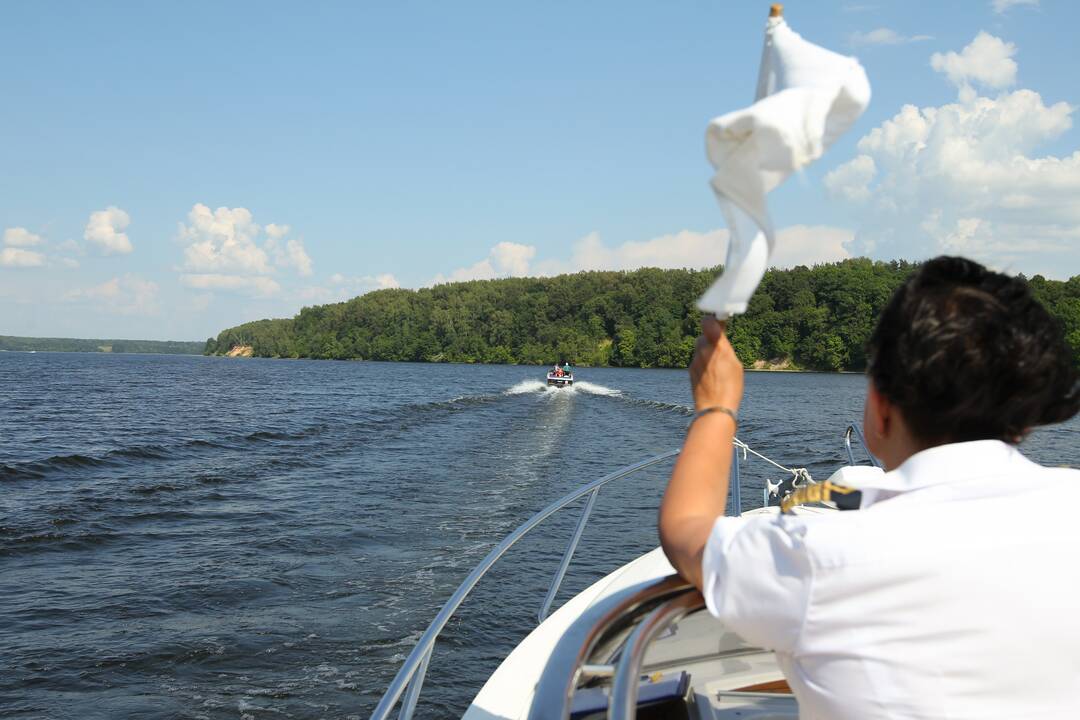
[{"x": 269, "y": 539}]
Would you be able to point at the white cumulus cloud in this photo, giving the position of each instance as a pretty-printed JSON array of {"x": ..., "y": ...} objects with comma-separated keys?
[
  {"x": 851, "y": 180},
  {"x": 20, "y": 257},
  {"x": 506, "y": 259},
  {"x": 105, "y": 230},
  {"x": 257, "y": 285},
  {"x": 795, "y": 245},
  {"x": 342, "y": 287},
  {"x": 811, "y": 245},
  {"x": 226, "y": 249},
  {"x": 885, "y": 36},
  {"x": 512, "y": 258},
  {"x": 124, "y": 295},
  {"x": 276, "y": 231},
  {"x": 14, "y": 253},
  {"x": 222, "y": 240},
  {"x": 21, "y": 237},
  {"x": 987, "y": 60},
  {"x": 291, "y": 255},
  {"x": 965, "y": 177},
  {"x": 684, "y": 249}
]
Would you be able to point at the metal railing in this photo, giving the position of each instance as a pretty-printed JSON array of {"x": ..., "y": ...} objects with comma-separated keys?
[
  {"x": 853, "y": 430},
  {"x": 414, "y": 669},
  {"x": 583, "y": 649},
  {"x": 624, "y": 690}
]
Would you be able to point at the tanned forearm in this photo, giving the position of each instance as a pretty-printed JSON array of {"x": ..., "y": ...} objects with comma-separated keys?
[{"x": 697, "y": 493}]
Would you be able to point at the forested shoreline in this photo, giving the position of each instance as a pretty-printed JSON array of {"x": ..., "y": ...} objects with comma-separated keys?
[
  {"x": 156, "y": 347},
  {"x": 815, "y": 318}
]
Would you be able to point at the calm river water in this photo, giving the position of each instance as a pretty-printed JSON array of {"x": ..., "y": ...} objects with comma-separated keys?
[{"x": 209, "y": 538}]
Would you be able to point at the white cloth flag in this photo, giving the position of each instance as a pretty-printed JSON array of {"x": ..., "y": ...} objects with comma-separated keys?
[{"x": 807, "y": 97}]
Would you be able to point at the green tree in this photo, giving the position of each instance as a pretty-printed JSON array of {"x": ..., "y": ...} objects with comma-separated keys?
[{"x": 815, "y": 318}]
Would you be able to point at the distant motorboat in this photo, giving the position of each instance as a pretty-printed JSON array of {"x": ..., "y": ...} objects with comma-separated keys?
[{"x": 558, "y": 377}]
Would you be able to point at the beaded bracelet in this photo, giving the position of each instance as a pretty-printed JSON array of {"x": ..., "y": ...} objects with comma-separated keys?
[{"x": 717, "y": 408}]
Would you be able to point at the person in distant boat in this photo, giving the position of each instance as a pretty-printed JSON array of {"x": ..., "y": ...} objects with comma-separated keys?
[
  {"x": 566, "y": 367},
  {"x": 951, "y": 590}
]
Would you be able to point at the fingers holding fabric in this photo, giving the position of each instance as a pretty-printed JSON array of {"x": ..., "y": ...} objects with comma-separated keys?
[{"x": 716, "y": 374}]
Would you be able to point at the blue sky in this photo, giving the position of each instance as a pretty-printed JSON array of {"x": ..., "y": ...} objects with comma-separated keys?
[{"x": 340, "y": 147}]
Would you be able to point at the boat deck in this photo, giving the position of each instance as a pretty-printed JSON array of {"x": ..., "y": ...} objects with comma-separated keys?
[{"x": 728, "y": 679}]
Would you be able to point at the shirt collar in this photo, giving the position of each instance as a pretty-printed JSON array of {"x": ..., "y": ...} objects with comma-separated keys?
[{"x": 939, "y": 465}]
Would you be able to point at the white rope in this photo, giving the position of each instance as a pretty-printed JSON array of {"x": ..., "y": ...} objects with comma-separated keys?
[{"x": 799, "y": 473}]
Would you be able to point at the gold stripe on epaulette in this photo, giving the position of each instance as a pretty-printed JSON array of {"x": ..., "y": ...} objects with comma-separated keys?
[{"x": 821, "y": 492}]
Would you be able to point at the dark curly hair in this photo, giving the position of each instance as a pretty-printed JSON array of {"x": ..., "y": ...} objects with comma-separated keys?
[{"x": 970, "y": 354}]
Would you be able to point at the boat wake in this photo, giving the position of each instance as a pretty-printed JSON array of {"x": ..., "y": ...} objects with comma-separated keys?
[
  {"x": 534, "y": 386},
  {"x": 377, "y": 422},
  {"x": 595, "y": 389},
  {"x": 524, "y": 387},
  {"x": 674, "y": 408}
]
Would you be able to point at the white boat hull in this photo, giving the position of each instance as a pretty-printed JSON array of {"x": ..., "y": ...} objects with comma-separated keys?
[
  {"x": 559, "y": 380},
  {"x": 508, "y": 693}
]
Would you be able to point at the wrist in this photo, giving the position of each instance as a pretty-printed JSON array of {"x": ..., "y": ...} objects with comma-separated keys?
[
  {"x": 705, "y": 403},
  {"x": 721, "y": 411}
]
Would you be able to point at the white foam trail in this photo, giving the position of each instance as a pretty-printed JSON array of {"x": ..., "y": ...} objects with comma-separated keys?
[
  {"x": 595, "y": 389},
  {"x": 525, "y": 386}
]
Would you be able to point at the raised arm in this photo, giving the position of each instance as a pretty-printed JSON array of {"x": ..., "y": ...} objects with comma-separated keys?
[{"x": 697, "y": 491}]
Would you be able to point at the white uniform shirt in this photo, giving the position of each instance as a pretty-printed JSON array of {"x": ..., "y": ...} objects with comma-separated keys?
[{"x": 955, "y": 595}]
